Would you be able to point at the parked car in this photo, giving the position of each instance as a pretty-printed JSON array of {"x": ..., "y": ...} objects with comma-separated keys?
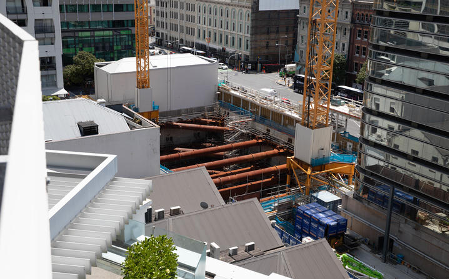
[
  {"x": 222, "y": 66},
  {"x": 286, "y": 101},
  {"x": 151, "y": 47}
]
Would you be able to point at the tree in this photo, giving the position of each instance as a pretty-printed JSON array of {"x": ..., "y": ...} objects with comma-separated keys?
[
  {"x": 81, "y": 70},
  {"x": 152, "y": 258},
  {"x": 50, "y": 98},
  {"x": 362, "y": 74},
  {"x": 339, "y": 69}
]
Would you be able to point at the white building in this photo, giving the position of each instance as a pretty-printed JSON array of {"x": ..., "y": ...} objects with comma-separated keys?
[
  {"x": 84, "y": 126},
  {"x": 40, "y": 18},
  {"x": 178, "y": 81},
  {"x": 224, "y": 24},
  {"x": 342, "y": 37}
]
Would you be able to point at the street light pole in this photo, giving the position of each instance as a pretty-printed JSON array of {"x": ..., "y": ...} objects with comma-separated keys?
[{"x": 229, "y": 60}]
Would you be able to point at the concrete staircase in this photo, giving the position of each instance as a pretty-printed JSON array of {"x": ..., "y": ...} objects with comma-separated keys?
[{"x": 75, "y": 250}]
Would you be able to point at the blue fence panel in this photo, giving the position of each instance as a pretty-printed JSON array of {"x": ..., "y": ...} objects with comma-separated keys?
[{"x": 164, "y": 169}]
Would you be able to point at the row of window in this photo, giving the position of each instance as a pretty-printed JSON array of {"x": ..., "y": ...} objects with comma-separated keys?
[
  {"x": 95, "y": 8},
  {"x": 226, "y": 40},
  {"x": 221, "y": 26},
  {"x": 418, "y": 7},
  {"x": 96, "y": 24},
  {"x": 304, "y": 11},
  {"x": 363, "y": 17}
]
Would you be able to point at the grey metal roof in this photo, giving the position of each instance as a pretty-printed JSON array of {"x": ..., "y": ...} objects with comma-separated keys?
[
  {"x": 61, "y": 118},
  {"x": 314, "y": 260},
  {"x": 186, "y": 189},
  {"x": 230, "y": 225}
]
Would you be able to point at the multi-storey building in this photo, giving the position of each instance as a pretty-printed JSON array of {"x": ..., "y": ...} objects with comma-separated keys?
[
  {"x": 226, "y": 27},
  {"x": 40, "y": 18},
  {"x": 104, "y": 28},
  {"x": 362, "y": 11},
  {"x": 403, "y": 163},
  {"x": 342, "y": 35}
]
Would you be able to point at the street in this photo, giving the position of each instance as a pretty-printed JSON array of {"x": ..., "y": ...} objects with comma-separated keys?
[{"x": 261, "y": 80}]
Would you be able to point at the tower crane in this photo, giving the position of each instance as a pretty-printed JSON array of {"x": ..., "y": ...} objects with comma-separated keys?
[
  {"x": 313, "y": 136},
  {"x": 144, "y": 96}
]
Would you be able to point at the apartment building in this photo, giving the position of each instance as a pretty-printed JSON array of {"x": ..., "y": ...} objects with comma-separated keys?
[
  {"x": 362, "y": 12},
  {"x": 104, "y": 28},
  {"x": 40, "y": 18},
  {"x": 342, "y": 39},
  {"x": 226, "y": 28}
]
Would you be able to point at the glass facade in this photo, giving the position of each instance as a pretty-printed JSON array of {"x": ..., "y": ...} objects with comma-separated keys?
[
  {"x": 109, "y": 45},
  {"x": 405, "y": 124}
]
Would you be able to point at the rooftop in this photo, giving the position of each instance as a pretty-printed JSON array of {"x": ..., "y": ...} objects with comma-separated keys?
[
  {"x": 128, "y": 65},
  {"x": 228, "y": 226},
  {"x": 61, "y": 118},
  {"x": 313, "y": 260},
  {"x": 186, "y": 189}
]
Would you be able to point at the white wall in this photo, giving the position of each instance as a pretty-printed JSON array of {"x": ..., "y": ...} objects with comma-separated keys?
[
  {"x": 137, "y": 150},
  {"x": 173, "y": 88},
  {"x": 308, "y": 143}
]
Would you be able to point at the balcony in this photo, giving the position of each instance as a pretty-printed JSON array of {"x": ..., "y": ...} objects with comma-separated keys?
[
  {"x": 16, "y": 10},
  {"x": 48, "y": 67},
  {"x": 44, "y": 29}
]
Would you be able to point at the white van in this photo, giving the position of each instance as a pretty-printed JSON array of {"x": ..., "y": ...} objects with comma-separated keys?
[{"x": 269, "y": 94}]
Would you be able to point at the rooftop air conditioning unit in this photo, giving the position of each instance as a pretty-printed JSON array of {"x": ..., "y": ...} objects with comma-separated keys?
[
  {"x": 159, "y": 214},
  {"x": 214, "y": 250},
  {"x": 233, "y": 251},
  {"x": 88, "y": 128},
  {"x": 175, "y": 210},
  {"x": 250, "y": 246}
]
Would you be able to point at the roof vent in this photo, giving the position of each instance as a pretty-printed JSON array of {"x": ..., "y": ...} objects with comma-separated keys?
[
  {"x": 88, "y": 128},
  {"x": 175, "y": 210},
  {"x": 149, "y": 215},
  {"x": 204, "y": 205}
]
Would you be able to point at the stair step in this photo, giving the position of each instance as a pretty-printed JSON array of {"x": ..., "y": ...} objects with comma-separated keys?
[
  {"x": 59, "y": 275},
  {"x": 106, "y": 223},
  {"x": 78, "y": 246},
  {"x": 95, "y": 228},
  {"x": 86, "y": 233},
  {"x": 99, "y": 210},
  {"x": 69, "y": 269},
  {"x": 75, "y": 254},
  {"x": 85, "y": 240},
  {"x": 72, "y": 261},
  {"x": 105, "y": 217}
]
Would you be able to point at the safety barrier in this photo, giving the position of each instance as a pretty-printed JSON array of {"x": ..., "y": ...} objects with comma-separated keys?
[
  {"x": 342, "y": 158},
  {"x": 165, "y": 170}
]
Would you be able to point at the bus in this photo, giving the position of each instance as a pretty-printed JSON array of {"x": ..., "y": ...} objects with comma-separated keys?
[
  {"x": 298, "y": 83},
  {"x": 185, "y": 49},
  {"x": 349, "y": 92}
]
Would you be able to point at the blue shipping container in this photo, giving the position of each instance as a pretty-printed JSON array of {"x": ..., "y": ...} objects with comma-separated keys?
[
  {"x": 286, "y": 238},
  {"x": 279, "y": 231},
  {"x": 298, "y": 235},
  {"x": 305, "y": 225}
]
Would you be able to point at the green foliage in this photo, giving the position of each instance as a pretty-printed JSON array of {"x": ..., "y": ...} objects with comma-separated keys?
[
  {"x": 339, "y": 69},
  {"x": 81, "y": 70},
  {"x": 152, "y": 258},
  {"x": 362, "y": 74},
  {"x": 50, "y": 98}
]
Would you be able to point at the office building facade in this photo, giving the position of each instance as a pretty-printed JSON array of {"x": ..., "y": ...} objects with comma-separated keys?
[
  {"x": 40, "y": 18},
  {"x": 404, "y": 143},
  {"x": 224, "y": 28},
  {"x": 343, "y": 29},
  {"x": 104, "y": 28}
]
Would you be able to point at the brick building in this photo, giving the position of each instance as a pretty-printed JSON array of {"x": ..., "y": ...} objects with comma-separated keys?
[{"x": 362, "y": 12}]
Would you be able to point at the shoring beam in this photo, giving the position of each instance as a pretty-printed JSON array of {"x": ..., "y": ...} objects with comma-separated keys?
[
  {"x": 247, "y": 188},
  {"x": 196, "y": 127},
  {"x": 215, "y": 149},
  {"x": 226, "y": 173},
  {"x": 246, "y": 175},
  {"x": 235, "y": 160}
]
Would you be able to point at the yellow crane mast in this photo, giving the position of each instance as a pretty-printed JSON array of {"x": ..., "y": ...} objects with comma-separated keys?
[
  {"x": 142, "y": 44},
  {"x": 319, "y": 63}
]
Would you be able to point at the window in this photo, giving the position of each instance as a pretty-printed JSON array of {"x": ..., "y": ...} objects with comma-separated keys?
[
  {"x": 357, "y": 16},
  {"x": 302, "y": 39},
  {"x": 221, "y": 24},
  {"x": 415, "y": 152},
  {"x": 303, "y": 25},
  {"x": 266, "y": 45},
  {"x": 221, "y": 12},
  {"x": 336, "y": 46},
  {"x": 233, "y": 26},
  {"x": 344, "y": 32},
  {"x": 247, "y": 44},
  {"x": 434, "y": 159},
  {"x": 227, "y": 25},
  {"x": 247, "y": 29},
  {"x": 215, "y": 37},
  {"x": 343, "y": 47},
  {"x": 304, "y": 9},
  {"x": 357, "y": 50},
  {"x": 346, "y": 14},
  {"x": 240, "y": 43},
  {"x": 232, "y": 41},
  {"x": 301, "y": 53},
  {"x": 226, "y": 40},
  {"x": 363, "y": 17},
  {"x": 221, "y": 38},
  {"x": 364, "y": 51},
  {"x": 365, "y": 34},
  {"x": 240, "y": 28},
  {"x": 392, "y": 109},
  {"x": 277, "y": 30},
  {"x": 356, "y": 67},
  {"x": 359, "y": 33},
  {"x": 373, "y": 130}
]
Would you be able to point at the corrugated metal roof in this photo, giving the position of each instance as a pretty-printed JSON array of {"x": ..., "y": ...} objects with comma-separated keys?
[
  {"x": 61, "y": 118},
  {"x": 314, "y": 260},
  {"x": 186, "y": 189},
  {"x": 230, "y": 225},
  {"x": 128, "y": 65}
]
